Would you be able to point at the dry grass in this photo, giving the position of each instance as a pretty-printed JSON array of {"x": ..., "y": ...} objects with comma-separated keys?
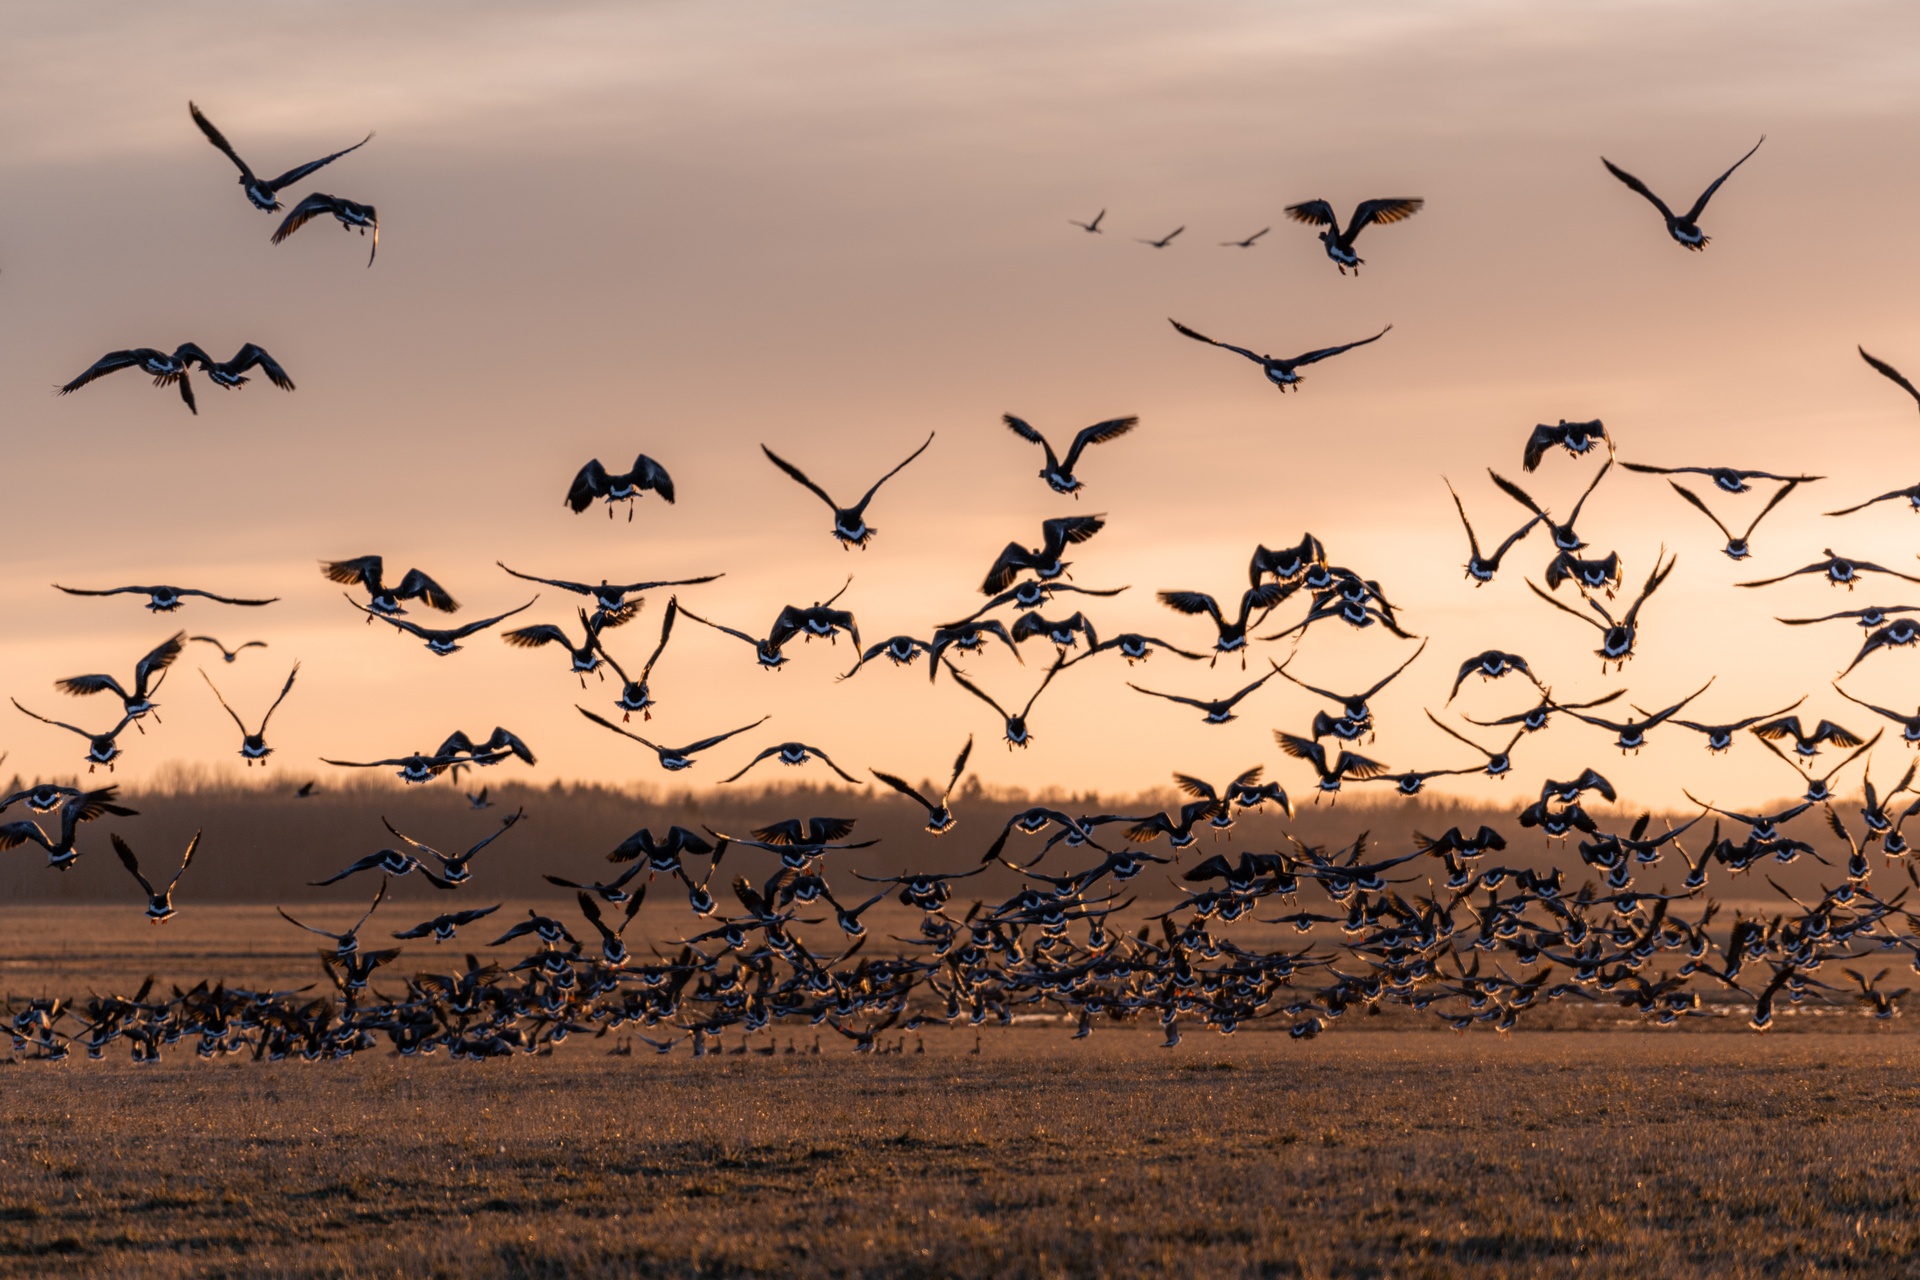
[{"x": 1375, "y": 1155}]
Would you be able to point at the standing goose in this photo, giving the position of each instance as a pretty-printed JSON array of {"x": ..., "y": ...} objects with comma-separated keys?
[
  {"x": 1282, "y": 373},
  {"x": 1481, "y": 568},
  {"x": 672, "y": 759},
  {"x": 940, "y": 817},
  {"x": 352, "y": 216},
  {"x": 227, "y": 655},
  {"x": 610, "y": 597},
  {"x": 102, "y": 748},
  {"x": 1016, "y": 725},
  {"x": 1685, "y": 228},
  {"x": 159, "y": 903},
  {"x": 264, "y": 193},
  {"x": 850, "y": 525},
  {"x": 253, "y": 746},
  {"x": 1057, "y": 473},
  {"x": 595, "y": 481},
  {"x": 1044, "y": 561},
  {"x": 368, "y": 571},
  {"x": 139, "y": 702},
  {"x": 441, "y": 641},
  {"x": 1339, "y": 244},
  {"x": 1737, "y": 547},
  {"x": 163, "y": 599}
]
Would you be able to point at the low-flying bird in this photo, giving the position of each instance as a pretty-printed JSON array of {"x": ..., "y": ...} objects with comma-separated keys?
[
  {"x": 443, "y": 927},
  {"x": 1247, "y": 243},
  {"x": 389, "y": 862},
  {"x": 1282, "y": 373},
  {"x": 455, "y": 868},
  {"x": 594, "y": 481},
  {"x": 164, "y": 599},
  {"x": 1058, "y": 473},
  {"x": 1218, "y": 711},
  {"x": 1563, "y": 535},
  {"x": 1339, "y": 244},
  {"x": 253, "y": 746},
  {"x": 850, "y": 525},
  {"x": 1577, "y": 438},
  {"x": 148, "y": 675},
  {"x": 1616, "y": 635},
  {"x": 672, "y": 759},
  {"x": 940, "y": 817},
  {"x": 344, "y": 944},
  {"x": 264, "y": 193},
  {"x": 1163, "y": 241},
  {"x": 102, "y": 748},
  {"x": 1481, "y": 567},
  {"x": 159, "y": 902},
  {"x": 795, "y": 753},
  {"x": 1684, "y": 228},
  {"x": 351, "y": 214},
  {"x": 228, "y": 655},
  {"x": 442, "y": 641},
  {"x": 1093, "y": 226},
  {"x": 1838, "y": 571},
  {"x": 1892, "y": 374},
  {"x": 368, "y": 571},
  {"x": 1044, "y": 561},
  {"x": 1016, "y": 725},
  {"x": 585, "y": 656},
  {"x": 611, "y": 597},
  {"x": 1737, "y": 547}
]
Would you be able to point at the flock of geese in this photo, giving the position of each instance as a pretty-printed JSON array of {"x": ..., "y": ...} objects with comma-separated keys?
[{"x": 1444, "y": 928}]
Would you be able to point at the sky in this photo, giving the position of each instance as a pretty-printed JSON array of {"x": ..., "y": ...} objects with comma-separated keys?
[{"x": 690, "y": 230}]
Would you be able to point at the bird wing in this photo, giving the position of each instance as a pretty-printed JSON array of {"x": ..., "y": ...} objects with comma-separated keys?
[
  {"x": 1314, "y": 357},
  {"x": 1694, "y": 498},
  {"x": 1385, "y": 211},
  {"x": 1171, "y": 697},
  {"x": 360, "y": 569},
  {"x": 208, "y": 595},
  {"x": 1098, "y": 433},
  {"x": 770, "y": 751},
  {"x": 718, "y": 738},
  {"x": 1316, "y": 213},
  {"x": 1228, "y": 346},
  {"x": 1700, "y": 205},
  {"x": 106, "y": 364},
  {"x": 905, "y": 788},
  {"x": 298, "y": 172},
  {"x": 965, "y": 683},
  {"x": 471, "y": 627},
  {"x": 80, "y": 686},
  {"x": 219, "y": 140},
  {"x": 1773, "y": 502},
  {"x": 418, "y": 586},
  {"x": 285, "y": 689},
  {"x": 666, "y": 629},
  {"x": 1881, "y": 366},
  {"x": 130, "y": 862},
  {"x": 1635, "y": 184},
  {"x": 534, "y": 636},
  {"x": 608, "y": 724},
  {"x": 588, "y": 484},
  {"x": 800, "y": 476},
  {"x": 738, "y": 635},
  {"x": 1191, "y": 602},
  {"x": 578, "y": 588},
  {"x": 828, "y": 761},
  {"x": 862, "y": 505},
  {"x": 1518, "y": 494},
  {"x": 159, "y": 659},
  {"x": 959, "y": 767},
  {"x": 306, "y": 211},
  {"x": 1022, "y": 428},
  {"x": 649, "y": 474}
]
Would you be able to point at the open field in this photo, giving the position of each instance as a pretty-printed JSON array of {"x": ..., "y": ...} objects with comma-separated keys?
[{"x": 1407, "y": 1155}]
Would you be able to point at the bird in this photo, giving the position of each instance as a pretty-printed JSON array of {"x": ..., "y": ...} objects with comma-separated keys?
[
  {"x": 1898, "y": 634},
  {"x": 1356, "y": 716},
  {"x": 606, "y": 891},
  {"x": 1339, "y": 244},
  {"x": 1044, "y": 561},
  {"x": 1135, "y": 647},
  {"x": 409, "y": 768},
  {"x": 1058, "y": 474},
  {"x": 1163, "y": 241},
  {"x": 1866, "y": 619},
  {"x": 1282, "y": 373},
  {"x": 231, "y": 375},
  {"x": 164, "y": 599},
  {"x": 253, "y": 746},
  {"x": 351, "y": 214},
  {"x": 307, "y": 790},
  {"x": 613, "y": 946},
  {"x": 1481, "y": 568},
  {"x": 1726, "y": 479},
  {"x": 1491, "y": 665},
  {"x": 1631, "y": 735},
  {"x": 443, "y": 927},
  {"x": 1247, "y": 243},
  {"x": 1617, "y": 635},
  {"x": 1577, "y": 438},
  {"x": 226, "y": 654},
  {"x": 390, "y": 862},
  {"x": 159, "y": 902},
  {"x": 1684, "y": 228},
  {"x": 478, "y": 800},
  {"x": 368, "y": 571},
  {"x": 1737, "y": 547},
  {"x": 1064, "y": 632},
  {"x": 264, "y": 194},
  {"x": 1891, "y": 374},
  {"x": 455, "y": 868},
  {"x": 850, "y": 527},
  {"x": 102, "y": 748},
  {"x": 820, "y": 619},
  {"x": 1837, "y": 570},
  {"x": 1720, "y": 736},
  {"x": 1563, "y": 535},
  {"x": 442, "y": 641},
  {"x": 148, "y": 674},
  {"x": 1911, "y": 493},
  {"x": 1909, "y": 725},
  {"x": 1806, "y": 742},
  {"x": 610, "y": 597},
  {"x": 166, "y": 370},
  {"x": 1218, "y": 711},
  {"x": 795, "y": 753},
  {"x": 348, "y": 942},
  {"x": 672, "y": 759},
  {"x": 1016, "y": 725},
  {"x": 595, "y": 481},
  {"x": 1231, "y": 634},
  {"x": 75, "y": 808},
  {"x": 940, "y": 819},
  {"x": 1094, "y": 226},
  {"x": 637, "y": 695},
  {"x": 1499, "y": 762},
  {"x": 1348, "y": 765},
  {"x": 499, "y": 744},
  {"x": 585, "y": 656}
]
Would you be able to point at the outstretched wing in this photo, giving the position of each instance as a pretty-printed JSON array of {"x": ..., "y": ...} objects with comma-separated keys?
[
  {"x": 1098, "y": 433},
  {"x": 1385, "y": 211},
  {"x": 1700, "y": 205},
  {"x": 862, "y": 506},
  {"x": 1197, "y": 336},
  {"x": 298, "y": 172},
  {"x": 1316, "y": 213},
  {"x": 219, "y": 140},
  {"x": 1880, "y": 366},
  {"x": 306, "y": 211},
  {"x": 1314, "y": 357},
  {"x": 1635, "y": 184},
  {"x": 800, "y": 476}
]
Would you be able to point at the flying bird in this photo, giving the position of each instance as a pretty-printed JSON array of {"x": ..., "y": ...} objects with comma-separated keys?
[
  {"x": 1247, "y": 243},
  {"x": 595, "y": 481},
  {"x": 148, "y": 674},
  {"x": 1218, "y": 711},
  {"x": 264, "y": 193},
  {"x": 1093, "y": 226},
  {"x": 368, "y": 571},
  {"x": 102, "y": 748},
  {"x": 1685, "y": 228},
  {"x": 163, "y": 599},
  {"x": 441, "y": 640},
  {"x": 1737, "y": 547},
  {"x": 1838, "y": 571},
  {"x": 940, "y": 817},
  {"x": 1348, "y": 765},
  {"x": 1058, "y": 474},
  {"x": 671, "y": 758},
  {"x": 1163, "y": 241},
  {"x": 1577, "y": 438},
  {"x": 165, "y": 370},
  {"x": 1017, "y": 733},
  {"x": 1491, "y": 665},
  {"x": 253, "y": 746},
  {"x": 1281, "y": 372},
  {"x": 1044, "y": 561},
  {"x": 1563, "y": 535},
  {"x": 159, "y": 901},
  {"x": 226, "y": 654},
  {"x": 1617, "y": 636},
  {"x": 1725, "y": 479},
  {"x": 443, "y": 927},
  {"x": 1481, "y": 567},
  {"x": 351, "y": 214},
  {"x": 585, "y": 656},
  {"x": 637, "y": 695},
  {"x": 850, "y": 525},
  {"x": 611, "y": 597},
  {"x": 1339, "y": 244},
  {"x": 795, "y": 753}
]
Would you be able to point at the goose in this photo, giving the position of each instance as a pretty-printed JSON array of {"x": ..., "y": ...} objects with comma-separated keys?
[
  {"x": 344, "y": 944},
  {"x": 228, "y": 655},
  {"x": 1577, "y": 438},
  {"x": 1016, "y": 725},
  {"x": 1898, "y": 634},
  {"x": 263, "y": 194},
  {"x": 1537, "y": 717},
  {"x": 1819, "y": 786},
  {"x": 1838, "y": 571},
  {"x": 637, "y": 695},
  {"x": 231, "y": 375},
  {"x": 1684, "y": 228},
  {"x": 1030, "y": 595},
  {"x": 102, "y": 748},
  {"x": 1761, "y": 826},
  {"x": 1356, "y": 715},
  {"x": 1135, "y": 647},
  {"x": 456, "y": 869},
  {"x": 139, "y": 702},
  {"x": 1867, "y": 619},
  {"x": 1720, "y": 736},
  {"x": 1043, "y": 561},
  {"x": 1873, "y": 807},
  {"x": 1631, "y": 735},
  {"x": 81, "y": 806},
  {"x": 1348, "y": 765},
  {"x": 1726, "y": 479},
  {"x": 820, "y": 619},
  {"x": 1492, "y": 665},
  {"x": 1232, "y": 632},
  {"x": 1883, "y": 1005},
  {"x": 1481, "y": 567},
  {"x": 164, "y": 599},
  {"x": 1247, "y": 243},
  {"x": 1413, "y": 782},
  {"x": 1564, "y": 537},
  {"x": 613, "y": 945},
  {"x": 795, "y": 753},
  {"x": 1592, "y": 573},
  {"x": 1617, "y": 636},
  {"x": 443, "y": 926},
  {"x": 1737, "y": 547},
  {"x": 498, "y": 745},
  {"x": 165, "y": 370},
  {"x": 594, "y": 481},
  {"x": 367, "y": 571},
  {"x": 1339, "y": 244},
  {"x": 850, "y": 525},
  {"x": 1806, "y": 742},
  {"x": 662, "y": 853},
  {"x": 389, "y": 862},
  {"x": 1057, "y": 473},
  {"x": 672, "y": 759},
  {"x": 1094, "y": 226},
  {"x": 409, "y": 768},
  {"x": 585, "y": 656},
  {"x": 1065, "y": 633},
  {"x": 1163, "y": 241},
  {"x": 1281, "y": 372},
  {"x": 1499, "y": 762},
  {"x": 441, "y": 641},
  {"x": 351, "y": 214},
  {"x": 1909, "y": 725},
  {"x": 253, "y": 746},
  {"x": 1911, "y": 493},
  {"x": 613, "y": 891},
  {"x": 940, "y": 819},
  {"x": 1218, "y": 711},
  {"x": 307, "y": 790},
  {"x": 610, "y": 597},
  {"x": 1287, "y": 564},
  {"x": 551, "y": 932},
  {"x": 45, "y": 797}
]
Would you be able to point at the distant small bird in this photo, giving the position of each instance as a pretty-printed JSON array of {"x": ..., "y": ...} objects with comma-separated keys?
[
  {"x": 226, "y": 654},
  {"x": 253, "y": 746},
  {"x": 1280, "y": 372},
  {"x": 1577, "y": 438},
  {"x": 163, "y": 599},
  {"x": 351, "y": 214},
  {"x": 1892, "y": 374},
  {"x": 159, "y": 902},
  {"x": 1163, "y": 241},
  {"x": 1339, "y": 244},
  {"x": 306, "y": 791},
  {"x": 595, "y": 481},
  {"x": 1247, "y": 243},
  {"x": 1057, "y": 473},
  {"x": 480, "y": 800},
  {"x": 264, "y": 194},
  {"x": 1093, "y": 226},
  {"x": 1684, "y": 228},
  {"x": 850, "y": 525}
]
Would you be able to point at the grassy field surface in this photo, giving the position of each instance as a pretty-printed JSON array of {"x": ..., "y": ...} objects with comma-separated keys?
[{"x": 1404, "y": 1154}]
